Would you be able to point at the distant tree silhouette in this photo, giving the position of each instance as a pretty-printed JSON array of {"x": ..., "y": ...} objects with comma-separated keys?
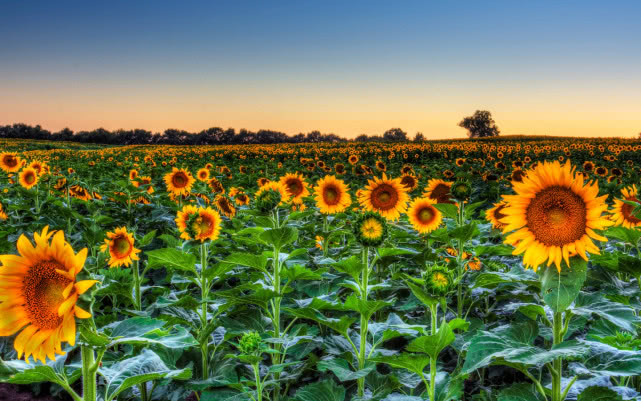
[
  {"x": 419, "y": 137},
  {"x": 395, "y": 135},
  {"x": 480, "y": 125}
]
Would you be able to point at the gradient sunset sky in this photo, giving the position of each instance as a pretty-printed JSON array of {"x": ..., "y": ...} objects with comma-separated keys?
[{"x": 345, "y": 67}]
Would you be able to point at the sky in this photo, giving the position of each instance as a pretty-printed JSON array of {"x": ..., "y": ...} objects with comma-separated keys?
[{"x": 345, "y": 67}]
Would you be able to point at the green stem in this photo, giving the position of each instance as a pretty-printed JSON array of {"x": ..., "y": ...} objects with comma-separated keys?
[
  {"x": 432, "y": 389},
  {"x": 204, "y": 346},
  {"x": 558, "y": 363},
  {"x": 364, "y": 322},
  {"x": 137, "y": 281},
  {"x": 459, "y": 259},
  {"x": 259, "y": 390},
  {"x": 89, "y": 369},
  {"x": 434, "y": 315},
  {"x": 276, "y": 315}
]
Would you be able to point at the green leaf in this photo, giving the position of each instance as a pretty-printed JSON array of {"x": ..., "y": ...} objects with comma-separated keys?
[
  {"x": 515, "y": 276},
  {"x": 597, "y": 393},
  {"x": 339, "y": 325},
  {"x": 628, "y": 235},
  {"x": 146, "y": 240},
  {"x": 258, "y": 262},
  {"x": 390, "y": 252},
  {"x": 144, "y": 367},
  {"x": 609, "y": 361},
  {"x": 426, "y": 298},
  {"x": 448, "y": 210},
  {"x": 300, "y": 272},
  {"x": 353, "y": 266},
  {"x": 20, "y": 372},
  {"x": 415, "y": 363},
  {"x": 326, "y": 390},
  {"x": 520, "y": 392},
  {"x": 620, "y": 315},
  {"x": 432, "y": 345},
  {"x": 172, "y": 259},
  {"x": 465, "y": 233},
  {"x": 560, "y": 289},
  {"x": 279, "y": 237},
  {"x": 342, "y": 370},
  {"x": 364, "y": 307},
  {"x": 147, "y": 331}
]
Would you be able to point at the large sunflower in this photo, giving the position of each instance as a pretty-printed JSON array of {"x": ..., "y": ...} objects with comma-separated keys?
[
  {"x": 274, "y": 186},
  {"x": 386, "y": 196},
  {"x": 38, "y": 295},
  {"x": 28, "y": 177},
  {"x": 296, "y": 186},
  {"x": 179, "y": 181},
  {"x": 424, "y": 217},
  {"x": 438, "y": 190},
  {"x": 121, "y": 248},
  {"x": 331, "y": 195},
  {"x": 198, "y": 223},
  {"x": 623, "y": 213},
  {"x": 555, "y": 215},
  {"x": 10, "y": 162}
]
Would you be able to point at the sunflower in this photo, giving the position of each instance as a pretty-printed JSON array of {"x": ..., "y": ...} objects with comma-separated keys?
[
  {"x": 38, "y": 166},
  {"x": 339, "y": 168},
  {"x": 601, "y": 171},
  {"x": 296, "y": 186},
  {"x": 380, "y": 166},
  {"x": 133, "y": 174},
  {"x": 460, "y": 161},
  {"x": 38, "y": 295},
  {"x": 370, "y": 229},
  {"x": 79, "y": 192},
  {"x": 121, "y": 248},
  {"x": 386, "y": 196},
  {"x": 331, "y": 195},
  {"x": 225, "y": 206},
  {"x": 409, "y": 181},
  {"x": 3, "y": 215},
  {"x": 28, "y": 177},
  {"x": 10, "y": 162},
  {"x": 203, "y": 174},
  {"x": 216, "y": 186},
  {"x": 588, "y": 166},
  {"x": 262, "y": 181},
  {"x": 424, "y": 217},
  {"x": 438, "y": 190},
  {"x": 241, "y": 199},
  {"x": 353, "y": 159},
  {"x": 623, "y": 213},
  {"x": 438, "y": 280},
  {"x": 495, "y": 214},
  {"x": 473, "y": 264},
  {"x": 179, "y": 182},
  {"x": 144, "y": 180},
  {"x": 555, "y": 215},
  {"x": 517, "y": 175},
  {"x": 198, "y": 223}
]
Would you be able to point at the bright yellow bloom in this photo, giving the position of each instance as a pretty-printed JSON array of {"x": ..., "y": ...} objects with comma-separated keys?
[
  {"x": 179, "y": 182},
  {"x": 198, "y": 223},
  {"x": 38, "y": 295},
  {"x": 623, "y": 213},
  {"x": 296, "y": 186},
  {"x": 332, "y": 195},
  {"x": 28, "y": 177},
  {"x": 386, "y": 196},
  {"x": 120, "y": 245},
  {"x": 424, "y": 217}
]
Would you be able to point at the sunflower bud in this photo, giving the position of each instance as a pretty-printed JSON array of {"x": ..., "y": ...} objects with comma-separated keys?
[
  {"x": 461, "y": 190},
  {"x": 438, "y": 280},
  {"x": 267, "y": 201},
  {"x": 250, "y": 343},
  {"x": 370, "y": 229}
]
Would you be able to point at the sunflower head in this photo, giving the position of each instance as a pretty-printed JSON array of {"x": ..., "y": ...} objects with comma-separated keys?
[
  {"x": 385, "y": 196},
  {"x": 495, "y": 215},
  {"x": 10, "y": 162},
  {"x": 439, "y": 190},
  {"x": 296, "y": 186},
  {"x": 203, "y": 174},
  {"x": 179, "y": 181},
  {"x": 623, "y": 212},
  {"x": 225, "y": 206},
  {"x": 370, "y": 229},
  {"x": 120, "y": 245},
  {"x": 39, "y": 292},
  {"x": 438, "y": 280},
  {"x": 331, "y": 195},
  {"x": 250, "y": 343},
  {"x": 28, "y": 177},
  {"x": 553, "y": 215},
  {"x": 409, "y": 181},
  {"x": 198, "y": 223},
  {"x": 270, "y": 196},
  {"x": 423, "y": 216}
]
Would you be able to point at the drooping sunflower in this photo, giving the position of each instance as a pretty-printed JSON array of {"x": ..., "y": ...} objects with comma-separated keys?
[
  {"x": 438, "y": 190},
  {"x": 120, "y": 245},
  {"x": 623, "y": 213},
  {"x": 179, "y": 181},
  {"x": 79, "y": 192},
  {"x": 386, "y": 196},
  {"x": 370, "y": 229},
  {"x": 198, "y": 223},
  {"x": 423, "y": 216},
  {"x": 144, "y": 180},
  {"x": 438, "y": 280},
  {"x": 332, "y": 195},
  {"x": 28, "y": 178},
  {"x": 203, "y": 174},
  {"x": 38, "y": 295},
  {"x": 495, "y": 214},
  {"x": 225, "y": 206},
  {"x": 10, "y": 162},
  {"x": 241, "y": 199},
  {"x": 216, "y": 186},
  {"x": 276, "y": 188},
  {"x": 296, "y": 186},
  {"x": 554, "y": 215}
]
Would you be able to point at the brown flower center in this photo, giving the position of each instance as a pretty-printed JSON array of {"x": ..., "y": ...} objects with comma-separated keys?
[
  {"x": 330, "y": 195},
  {"x": 179, "y": 180},
  {"x": 121, "y": 246},
  {"x": 557, "y": 216},
  {"x": 42, "y": 288}
]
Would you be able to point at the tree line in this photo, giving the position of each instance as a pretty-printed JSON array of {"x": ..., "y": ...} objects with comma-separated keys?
[{"x": 478, "y": 125}]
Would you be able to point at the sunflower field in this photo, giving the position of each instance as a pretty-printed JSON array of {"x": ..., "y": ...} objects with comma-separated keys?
[{"x": 506, "y": 269}]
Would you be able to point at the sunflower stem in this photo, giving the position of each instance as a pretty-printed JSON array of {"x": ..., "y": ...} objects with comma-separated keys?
[
  {"x": 259, "y": 390},
  {"x": 89, "y": 369},
  {"x": 137, "y": 282},
  {"x": 558, "y": 363},
  {"x": 204, "y": 346},
  {"x": 276, "y": 314},
  {"x": 364, "y": 322}
]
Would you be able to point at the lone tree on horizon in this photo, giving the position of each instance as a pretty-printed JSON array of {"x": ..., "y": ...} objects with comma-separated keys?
[{"x": 480, "y": 125}]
